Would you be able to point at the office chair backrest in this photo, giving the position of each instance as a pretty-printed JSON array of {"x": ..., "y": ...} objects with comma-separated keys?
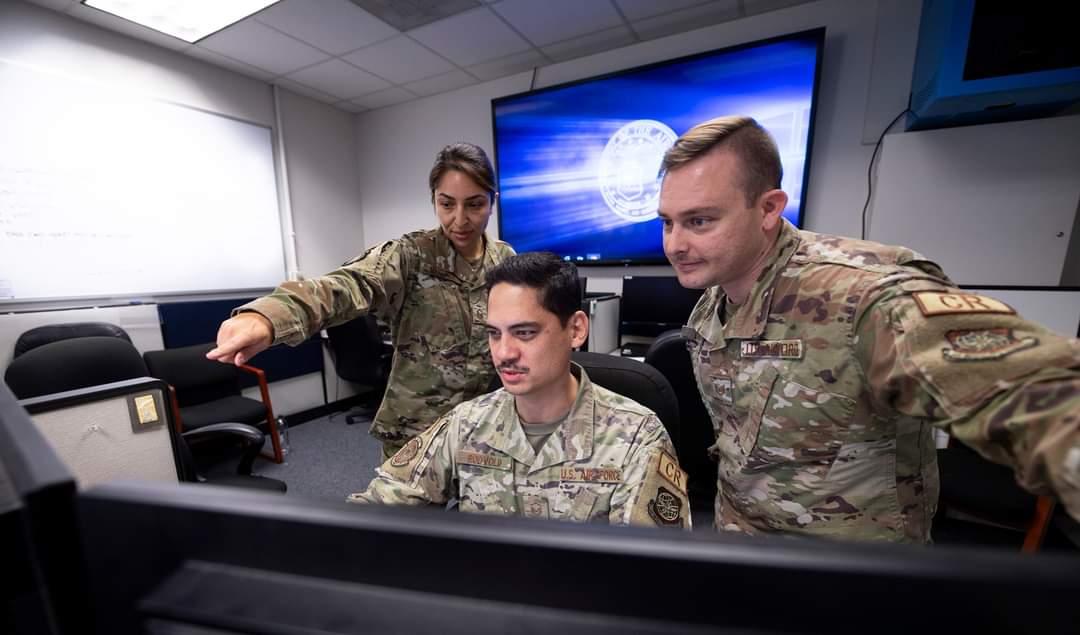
[
  {"x": 196, "y": 379},
  {"x": 359, "y": 353},
  {"x": 669, "y": 356},
  {"x": 636, "y": 380},
  {"x": 49, "y": 333},
  {"x": 73, "y": 363}
]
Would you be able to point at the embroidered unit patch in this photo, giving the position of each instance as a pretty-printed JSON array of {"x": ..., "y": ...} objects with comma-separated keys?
[
  {"x": 666, "y": 508},
  {"x": 407, "y": 453},
  {"x": 933, "y": 303},
  {"x": 779, "y": 349},
  {"x": 973, "y": 345}
]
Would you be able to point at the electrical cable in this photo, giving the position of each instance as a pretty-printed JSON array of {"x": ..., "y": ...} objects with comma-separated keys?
[{"x": 870, "y": 168}]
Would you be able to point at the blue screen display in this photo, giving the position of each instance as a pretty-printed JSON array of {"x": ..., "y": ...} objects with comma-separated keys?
[{"x": 577, "y": 164}]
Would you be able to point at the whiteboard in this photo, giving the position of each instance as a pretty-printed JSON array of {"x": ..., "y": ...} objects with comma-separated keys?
[{"x": 104, "y": 193}]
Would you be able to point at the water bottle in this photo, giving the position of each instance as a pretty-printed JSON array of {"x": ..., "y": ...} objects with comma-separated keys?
[{"x": 283, "y": 435}]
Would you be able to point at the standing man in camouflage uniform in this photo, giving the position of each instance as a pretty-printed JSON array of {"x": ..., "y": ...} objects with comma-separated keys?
[
  {"x": 428, "y": 285},
  {"x": 825, "y": 362},
  {"x": 550, "y": 444}
]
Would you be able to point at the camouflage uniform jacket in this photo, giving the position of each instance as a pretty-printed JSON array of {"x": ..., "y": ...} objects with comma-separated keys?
[
  {"x": 436, "y": 306},
  {"x": 611, "y": 461},
  {"x": 824, "y": 385}
]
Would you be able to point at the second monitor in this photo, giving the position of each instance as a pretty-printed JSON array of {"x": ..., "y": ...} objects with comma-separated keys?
[{"x": 653, "y": 304}]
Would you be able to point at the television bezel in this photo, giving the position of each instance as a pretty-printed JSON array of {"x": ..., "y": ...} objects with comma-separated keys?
[{"x": 817, "y": 35}]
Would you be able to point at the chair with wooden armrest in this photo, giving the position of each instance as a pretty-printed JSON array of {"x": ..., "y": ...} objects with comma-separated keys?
[{"x": 209, "y": 392}]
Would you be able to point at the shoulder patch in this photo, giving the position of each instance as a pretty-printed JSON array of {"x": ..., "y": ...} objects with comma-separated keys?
[
  {"x": 933, "y": 303},
  {"x": 973, "y": 345},
  {"x": 407, "y": 452},
  {"x": 666, "y": 509},
  {"x": 662, "y": 500},
  {"x": 669, "y": 468}
]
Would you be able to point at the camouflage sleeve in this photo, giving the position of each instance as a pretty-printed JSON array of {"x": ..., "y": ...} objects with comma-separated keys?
[
  {"x": 420, "y": 473},
  {"x": 373, "y": 282},
  {"x": 653, "y": 489},
  {"x": 1003, "y": 385}
]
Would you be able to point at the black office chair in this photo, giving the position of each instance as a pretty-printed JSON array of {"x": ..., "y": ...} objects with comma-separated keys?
[
  {"x": 981, "y": 504},
  {"x": 53, "y": 332},
  {"x": 360, "y": 356},
  {"x": 69, "y": 364},
  {"x": 636, "y": 380},
  {"x": 669, "y": 356},
  {"x": 209, "y": 392}
]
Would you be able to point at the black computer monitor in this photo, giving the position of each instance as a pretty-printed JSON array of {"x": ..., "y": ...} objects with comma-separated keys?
[
  {"x": 168, "y": 558},
  {"x": 41, "y": 577},
  {"x": 653, "y": 304}
]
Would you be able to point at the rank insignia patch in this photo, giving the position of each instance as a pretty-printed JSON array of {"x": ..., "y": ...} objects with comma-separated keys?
[
  {"x": 723, "y": 388},
  {"x": 984, "y": 344},
  {"x": 534, "y": 507},
  {"x": 666, "y": 508},
  {"x": 407, "y": 453}
]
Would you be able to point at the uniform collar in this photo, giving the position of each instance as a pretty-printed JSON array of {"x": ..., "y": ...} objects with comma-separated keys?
[
  {"x": 750, "y": 319},
  {"x": 446, "y": 257},
  {"x": 572, "y": 441}
]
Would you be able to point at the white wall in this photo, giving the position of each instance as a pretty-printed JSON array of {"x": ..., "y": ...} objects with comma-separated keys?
[
  {"x": 319, "y": 142},
  {"x": 325, "y": 196}
]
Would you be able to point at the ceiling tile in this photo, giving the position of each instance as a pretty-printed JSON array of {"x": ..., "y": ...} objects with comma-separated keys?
[
  {"x": 340, "y": 79},
  {"x": 350, "y": 107},
  {"x": 556, "y": 20},
  {"x": 335, "y": 26},
  {"x": 589, "y": 44},
  {"x": 761, "y": 6},
  {"x": 640, "y": 9},
  {"x": 399, "y": 60},
  {"x": 217, "y": 59},
  {"x": 261, "y": 46},
  {"x": 307, "y": 91},
  {"x": 409, "y": 14},
  {"x": 441, "y": 83},
  {"x": 126, "y": 27},
  {"x": 471, "y": 37},
  {"x": 509, "y": 65},
  {"x": 59, "y": 5},
  {"x": 388, "y": 97},
  {"x": 687, "y": 19}
]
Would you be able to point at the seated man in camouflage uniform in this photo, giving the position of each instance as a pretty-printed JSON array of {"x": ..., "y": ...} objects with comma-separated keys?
[
  {"x": 550, "y": 444},
  {"x": 826, "y": 362}
]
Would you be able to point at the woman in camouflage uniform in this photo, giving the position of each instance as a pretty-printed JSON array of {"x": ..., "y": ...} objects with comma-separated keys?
[{"x": 427, "y": 285}]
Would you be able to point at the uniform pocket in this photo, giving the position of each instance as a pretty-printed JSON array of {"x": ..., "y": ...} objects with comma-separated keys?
[
  {"x": 581, "y": 502},
  {"x": 799, "y": 424},
  {"x": 486, "y": 491}
]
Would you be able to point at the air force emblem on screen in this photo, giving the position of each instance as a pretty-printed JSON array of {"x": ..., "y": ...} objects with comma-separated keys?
[{"x": 628, "y": 169}]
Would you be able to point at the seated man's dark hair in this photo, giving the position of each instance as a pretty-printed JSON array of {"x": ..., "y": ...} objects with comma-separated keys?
[{"x": 555, "y": 279}]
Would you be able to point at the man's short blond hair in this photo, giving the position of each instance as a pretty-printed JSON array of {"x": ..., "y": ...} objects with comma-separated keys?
[{"x": 752, "y": 144}]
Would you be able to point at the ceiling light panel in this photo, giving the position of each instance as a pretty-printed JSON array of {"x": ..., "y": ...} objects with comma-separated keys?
[{"x": 189, "y": 20}]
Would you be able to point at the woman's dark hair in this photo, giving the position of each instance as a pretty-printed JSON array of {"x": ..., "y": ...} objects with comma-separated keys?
[
  {"x": 555, "y": 279},
  {"x": 466, "y": 158}
]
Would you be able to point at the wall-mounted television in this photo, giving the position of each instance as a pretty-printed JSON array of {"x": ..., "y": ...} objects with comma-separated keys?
[{"x": 578, "y": 163}]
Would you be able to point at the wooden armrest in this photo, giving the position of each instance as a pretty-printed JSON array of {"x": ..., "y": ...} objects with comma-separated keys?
[{"x": 271, "y": 421}]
